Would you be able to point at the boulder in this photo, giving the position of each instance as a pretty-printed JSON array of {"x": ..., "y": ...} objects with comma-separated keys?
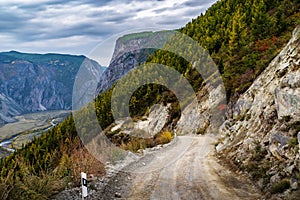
[
  {"x": 288, "y": 102},
  {"x": 274, "y": 151},
  {"x": 294, "y": 184},
  {"x": 275, "y": 179}
]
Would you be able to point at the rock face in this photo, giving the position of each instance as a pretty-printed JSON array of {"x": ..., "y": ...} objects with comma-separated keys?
[
  {"x": 148, "y": 127},
  {"x": 203, "y": 113},
  {"x": 33, "y": 82},
  {"x": 9, "y": 108},
  {"x": 287, "y": 96},
  {"x": 129, "y": 51},
  {"x": 260, "y": 134}
]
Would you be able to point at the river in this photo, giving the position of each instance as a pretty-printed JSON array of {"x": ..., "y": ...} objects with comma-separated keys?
[{"x": 6, "y": 144}]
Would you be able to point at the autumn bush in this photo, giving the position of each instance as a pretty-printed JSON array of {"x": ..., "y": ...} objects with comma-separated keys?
[{"x": 164, "y": 137}]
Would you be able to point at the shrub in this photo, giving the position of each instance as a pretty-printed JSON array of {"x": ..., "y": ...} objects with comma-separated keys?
[
  {"x": 286, "y": 118},
  {"x": 293, "y": 142},
  {"x": 23, "y": 183},
  {"x": 164, "y": 137},
  {"x": 134, "y": 145},
  {"x": 296, "y": 126},
  {"x": 281, "y": 186}
]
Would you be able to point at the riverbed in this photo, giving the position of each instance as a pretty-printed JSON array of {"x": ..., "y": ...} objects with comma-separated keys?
[{"x": 28, "y": 126}]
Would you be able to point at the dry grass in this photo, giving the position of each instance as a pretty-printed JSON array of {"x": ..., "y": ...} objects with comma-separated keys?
[
  {"x": 141, "y": 143},
  {"x": 165, "y": 137},
  {"x": 24, "y": 182},
  {"x": 83, "y": 161}
]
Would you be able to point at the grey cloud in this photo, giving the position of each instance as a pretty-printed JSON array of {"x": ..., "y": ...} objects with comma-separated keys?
[
  {"x": 11, "y": 21},
  {"x": 194, "y": 12},
  {"x": 193, "y": 3},
  {"x": 168, "y": 21},
  {"x": 110, "y": 16},
  {"x": 37, "y": 22}
]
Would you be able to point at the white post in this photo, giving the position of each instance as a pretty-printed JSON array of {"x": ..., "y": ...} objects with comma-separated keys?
[{"x": 84, "y": 185}]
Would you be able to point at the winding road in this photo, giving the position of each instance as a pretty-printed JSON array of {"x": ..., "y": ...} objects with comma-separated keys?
[{"x": 186, "y": 169}]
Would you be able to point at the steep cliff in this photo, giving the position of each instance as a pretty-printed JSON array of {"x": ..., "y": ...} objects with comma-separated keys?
[
  {"x": 129, "y": 51},
  {"x": 34, "y": 82},
  {"x": 262, "y": 132}
]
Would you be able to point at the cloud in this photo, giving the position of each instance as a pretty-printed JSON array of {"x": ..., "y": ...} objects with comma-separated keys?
[{"x": 77, "y": 26}]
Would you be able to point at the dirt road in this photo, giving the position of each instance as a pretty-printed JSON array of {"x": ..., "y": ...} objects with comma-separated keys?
[{"x": 187, "y": 169}]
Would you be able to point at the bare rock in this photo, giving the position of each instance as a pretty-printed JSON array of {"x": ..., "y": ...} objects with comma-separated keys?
[
  {"x": 288, "y": 102},
  {"x": 279, "y": 138},
  {"x": 92, "y": 177},
  {"x": 148, "y": 126},
  {"x": 289, "y": 170},
  {"x": 265, "y": 113},
  {"x": 260, "y": 183},
  {"x": 274, "y": 151},
  {"x": 127, "y": 54},
  {"x": 294, "y": 184},
  {"x": 200, "y": 117},
  {"x": 275, "y": 179}
]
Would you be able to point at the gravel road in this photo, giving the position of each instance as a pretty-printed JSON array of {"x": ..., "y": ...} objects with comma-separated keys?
[{"x": 185, "y": 169}]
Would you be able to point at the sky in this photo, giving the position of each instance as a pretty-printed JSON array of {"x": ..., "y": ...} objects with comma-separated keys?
[{"x": 79, "y": 26}]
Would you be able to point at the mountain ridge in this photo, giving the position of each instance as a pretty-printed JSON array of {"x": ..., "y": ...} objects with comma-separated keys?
[{"x": 37, "y": 82}]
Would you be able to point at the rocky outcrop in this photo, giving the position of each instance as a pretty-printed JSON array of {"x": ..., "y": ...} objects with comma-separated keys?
[
  {"x": 203, "y": 114},
  {"x": 148, "y": 126},
  {"x": 260, "y": 136},
  {"x": 130, "y": 50},
  {"x": 287, "y": 96},
  {"x": 34, "y": 82}
]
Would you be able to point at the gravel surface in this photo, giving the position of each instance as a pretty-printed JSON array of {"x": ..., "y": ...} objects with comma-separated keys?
[{"x": 184, "y": 169}]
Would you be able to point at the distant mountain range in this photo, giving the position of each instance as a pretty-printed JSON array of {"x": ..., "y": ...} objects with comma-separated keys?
[{"x": 38, "y": 82}]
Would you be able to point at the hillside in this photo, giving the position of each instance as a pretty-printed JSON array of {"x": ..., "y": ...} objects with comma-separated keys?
[
  {"x": 262, "y": 137},
  {"x": 242, "y": 37}
]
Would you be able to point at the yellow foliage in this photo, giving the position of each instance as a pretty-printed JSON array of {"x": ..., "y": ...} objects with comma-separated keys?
[{"x": 165, "y": 137}]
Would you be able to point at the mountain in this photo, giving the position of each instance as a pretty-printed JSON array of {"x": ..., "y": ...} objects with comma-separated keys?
[
  {"x": 35, "y": 82},
  {"x": 130, "y": 50}
]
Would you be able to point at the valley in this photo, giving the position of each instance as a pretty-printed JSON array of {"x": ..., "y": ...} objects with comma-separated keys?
[{"x": 16, "y": 134}]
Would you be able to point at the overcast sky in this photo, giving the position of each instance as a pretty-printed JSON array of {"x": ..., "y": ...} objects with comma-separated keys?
[{"x": 78, "y": 26}]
